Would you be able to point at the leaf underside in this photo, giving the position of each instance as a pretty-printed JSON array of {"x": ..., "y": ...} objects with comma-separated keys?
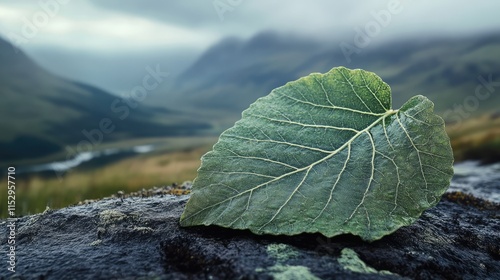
[{"x": 327, "y": 154}]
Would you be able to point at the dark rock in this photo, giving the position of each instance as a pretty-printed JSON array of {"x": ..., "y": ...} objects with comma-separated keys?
[{"x": 139, "y": 237}]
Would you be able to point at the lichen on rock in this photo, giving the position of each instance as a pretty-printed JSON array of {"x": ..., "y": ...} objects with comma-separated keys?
[{"x": 351, "y": 261}]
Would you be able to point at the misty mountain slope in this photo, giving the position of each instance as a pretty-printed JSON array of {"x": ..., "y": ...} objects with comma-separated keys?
[
  {"x": 41, "y": 113},
  {"x": 233, "y": 73}
]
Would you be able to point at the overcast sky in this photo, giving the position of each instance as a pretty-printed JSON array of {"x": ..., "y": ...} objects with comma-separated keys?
[{"x": 70, "y": 37}]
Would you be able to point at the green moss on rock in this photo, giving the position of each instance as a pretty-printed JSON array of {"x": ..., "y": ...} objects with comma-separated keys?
[
  {"x": 281, "y": 252},
  {"x": 350, "y": 260}
]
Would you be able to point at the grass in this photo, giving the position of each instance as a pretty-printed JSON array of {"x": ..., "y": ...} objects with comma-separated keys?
[
  {"x": 35, "y": 193},
  {"x": 476, "y": 139}
]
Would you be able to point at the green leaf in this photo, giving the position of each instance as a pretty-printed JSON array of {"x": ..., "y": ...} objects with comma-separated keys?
[{"x": 325, "y": 153}]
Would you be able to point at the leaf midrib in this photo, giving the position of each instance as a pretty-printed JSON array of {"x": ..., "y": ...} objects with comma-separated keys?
[{"x": 308, "y": 167}]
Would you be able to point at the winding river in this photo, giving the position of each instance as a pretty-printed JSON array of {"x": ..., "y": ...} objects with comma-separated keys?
[{"x": 65, "y": 165}]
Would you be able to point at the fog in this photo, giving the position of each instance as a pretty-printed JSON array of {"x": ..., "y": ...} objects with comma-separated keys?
[{"x": 107, "y": 43}]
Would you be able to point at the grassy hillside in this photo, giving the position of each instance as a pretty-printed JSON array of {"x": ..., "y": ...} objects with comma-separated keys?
[
  {"x": 234, "y": 73},
  {"x": 175, "y": 161},
  {"x": 41, "y": 113},
  {"x": 476, "y": 138}
]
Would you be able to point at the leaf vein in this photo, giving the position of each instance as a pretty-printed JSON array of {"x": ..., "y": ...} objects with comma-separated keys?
[
  {"x": 371, "y": 91},
  {"x": 278, "y": 142},
  {"x": 332, "y": 107},
  {"x": 416, "y": 149},
  {"x": 354, "y": 91},
  {"x": 303, "y": 124},
  {"x": 369, "y": 181}
]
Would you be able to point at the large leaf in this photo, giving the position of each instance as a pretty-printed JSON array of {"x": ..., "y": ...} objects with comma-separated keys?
[{"x": 325, "y": 153}]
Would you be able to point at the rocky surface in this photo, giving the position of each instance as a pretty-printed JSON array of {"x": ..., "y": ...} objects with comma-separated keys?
[
  {"x": 480, "y": 180},
  {"x": 138, "y": 237}
]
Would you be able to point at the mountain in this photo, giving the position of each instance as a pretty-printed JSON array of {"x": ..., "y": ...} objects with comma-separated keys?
[
  {"x": 41, "y": 113},
  {"x": 233, "y": 73}
]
